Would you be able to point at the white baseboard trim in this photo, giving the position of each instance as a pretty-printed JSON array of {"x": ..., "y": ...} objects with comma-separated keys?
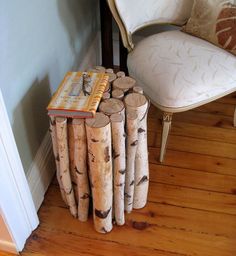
[
  {"x": 41, "y": 171},
  {"x": 7, "y": 246}
]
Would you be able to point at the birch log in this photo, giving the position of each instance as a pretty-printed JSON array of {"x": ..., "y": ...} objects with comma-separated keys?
[
  {"x": 138, "y": 89},
  {"x": 131, "y": 147},
  {"x": 80, "y": 159},
  {"x": 118, "y": 146},
  {"x": 98, "y": 131},
  {"x": 56, "y": 156},
  {"x": 61, "y": 131},
  {"x": 101, "y": 69},
  {"x": 120, "y": 74},
  {"x": 118, "y": 94},
  {"x": 112, "y": 106},
  {"x": 138, "y": 103},
  {"x": 109, "y": 70},
  {"x": 106, "y": 95},
  {"x": 124, "y": 83},
  {"x": 112, "y": 77},
  {"x": 71, "y": 146}
]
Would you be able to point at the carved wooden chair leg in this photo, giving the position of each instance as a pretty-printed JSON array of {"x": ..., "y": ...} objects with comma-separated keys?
[
  {"x": 235, "y": 118},
  {"x": 167, "y": 117}
]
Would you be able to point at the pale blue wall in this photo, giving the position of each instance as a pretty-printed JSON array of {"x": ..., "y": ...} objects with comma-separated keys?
[{"x": 40, "y": 40}]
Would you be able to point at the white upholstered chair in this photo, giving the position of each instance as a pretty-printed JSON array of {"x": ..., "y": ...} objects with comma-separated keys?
[{"x": 178, "y": 72}]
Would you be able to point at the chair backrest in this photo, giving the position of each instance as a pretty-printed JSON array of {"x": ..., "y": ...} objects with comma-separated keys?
[{"x": 132, "y": 15}]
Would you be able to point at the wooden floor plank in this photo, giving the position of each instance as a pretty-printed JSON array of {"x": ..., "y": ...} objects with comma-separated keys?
[
  {"x": 195, "y": 131},
  {"x": 194, "y": 145},
  {"x": 193, "y": 179},
  {"x": 150, "y": 236},
  {"x": 48, "y": 242},
  {"x": 169, "y": 216},
  {"x": 194, "y": 161}
]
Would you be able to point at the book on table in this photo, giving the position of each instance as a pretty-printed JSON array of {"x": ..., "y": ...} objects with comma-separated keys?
[{"x": 78, "y": 95}]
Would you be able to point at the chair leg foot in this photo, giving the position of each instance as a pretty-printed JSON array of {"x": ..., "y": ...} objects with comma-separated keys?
[
  {"x": 167, "y": 118},
  {"x": 235, "y": 118}
]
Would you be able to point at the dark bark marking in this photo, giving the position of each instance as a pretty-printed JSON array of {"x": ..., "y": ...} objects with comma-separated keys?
[
  {"x": 116, "y": 155},
  {"x": 141, "y": 130},
  {"x": 120, "y": 185},
  {"x": 135, "y": 143},
  {"x": 77, "y": 171},
  {"x": 104, "y": 230},
  {"x": 127, "y": 195},
  {"x": 140, "y": 225},
  {"x": 85, "y": 196},
  {"x": 70, "y": 191},
  {"x": 92, "y": 155},
  {"x": 132, "y": 183},
  {"x": 144, "y": 179},
  {"x": 102, "y": 214},
  {"x": 57, "y": 158},
  {"x": 124, "y": 135},
  {"x": 95, "y": 141},
  {"x": 122, "y": 172},
  {"x": 106, "y": 153}
]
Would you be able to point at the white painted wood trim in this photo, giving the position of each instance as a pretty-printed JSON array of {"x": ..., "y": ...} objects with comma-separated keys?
[
  {"x": 16, "y": 202},
  {"x": 41, "y": 171}
]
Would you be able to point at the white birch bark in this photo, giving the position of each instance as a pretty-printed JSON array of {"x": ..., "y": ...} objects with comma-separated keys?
[
  {"x": 138, "y": 103},
  {"x": 119, "y": 163},
  {"x": 56, "y": 156},
  {"x": 62, "y": 140},
  {"x": 131, "y": 147},
  {"x": 80, "y": 160},
  {"x": 98, "y": 131}
]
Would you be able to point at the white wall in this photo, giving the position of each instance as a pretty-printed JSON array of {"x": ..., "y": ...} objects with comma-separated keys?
[{"x": 40, "y": 41}]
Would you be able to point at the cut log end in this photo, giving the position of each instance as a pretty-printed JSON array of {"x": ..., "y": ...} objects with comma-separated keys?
[
  {"x": 100, "y": 120},
  {"x": 124, "y": 83},
  {"x": 118, "y": 94},
  {"x": 111, "y": 106},
  {"x": 135, "y": 100}
]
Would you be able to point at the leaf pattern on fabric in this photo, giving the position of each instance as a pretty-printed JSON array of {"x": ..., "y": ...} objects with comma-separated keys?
[{"x": 226, "y": 27}]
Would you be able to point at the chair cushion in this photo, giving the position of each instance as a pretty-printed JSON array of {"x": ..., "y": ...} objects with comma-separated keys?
[
  {"x": 178, "y": 70},
  {"x": 214, "y": 21}
]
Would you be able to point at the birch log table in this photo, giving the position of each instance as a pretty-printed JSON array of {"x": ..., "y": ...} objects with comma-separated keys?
[{"x": 103, "y": 160}]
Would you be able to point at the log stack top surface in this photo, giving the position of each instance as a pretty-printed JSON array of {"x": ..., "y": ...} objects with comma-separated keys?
[
  {"x": 100, "y": 120},
  {"x": 135, "y": 100},
  {"x": 124, "y": 83},
  {"x": 111, "y": 106}
]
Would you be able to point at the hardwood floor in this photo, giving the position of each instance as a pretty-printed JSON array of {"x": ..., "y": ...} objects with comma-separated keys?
[{"x": 192, "y": 198}]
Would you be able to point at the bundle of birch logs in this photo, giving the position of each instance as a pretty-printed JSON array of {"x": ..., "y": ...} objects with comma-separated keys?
[{"x": 105, "y": 159}]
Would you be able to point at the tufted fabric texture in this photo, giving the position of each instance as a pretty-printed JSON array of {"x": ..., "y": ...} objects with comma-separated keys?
[
  {"x": 136, "y": 14},
  {"x": 178, "y": 70},
  {"x": 214, "y": 21}
]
